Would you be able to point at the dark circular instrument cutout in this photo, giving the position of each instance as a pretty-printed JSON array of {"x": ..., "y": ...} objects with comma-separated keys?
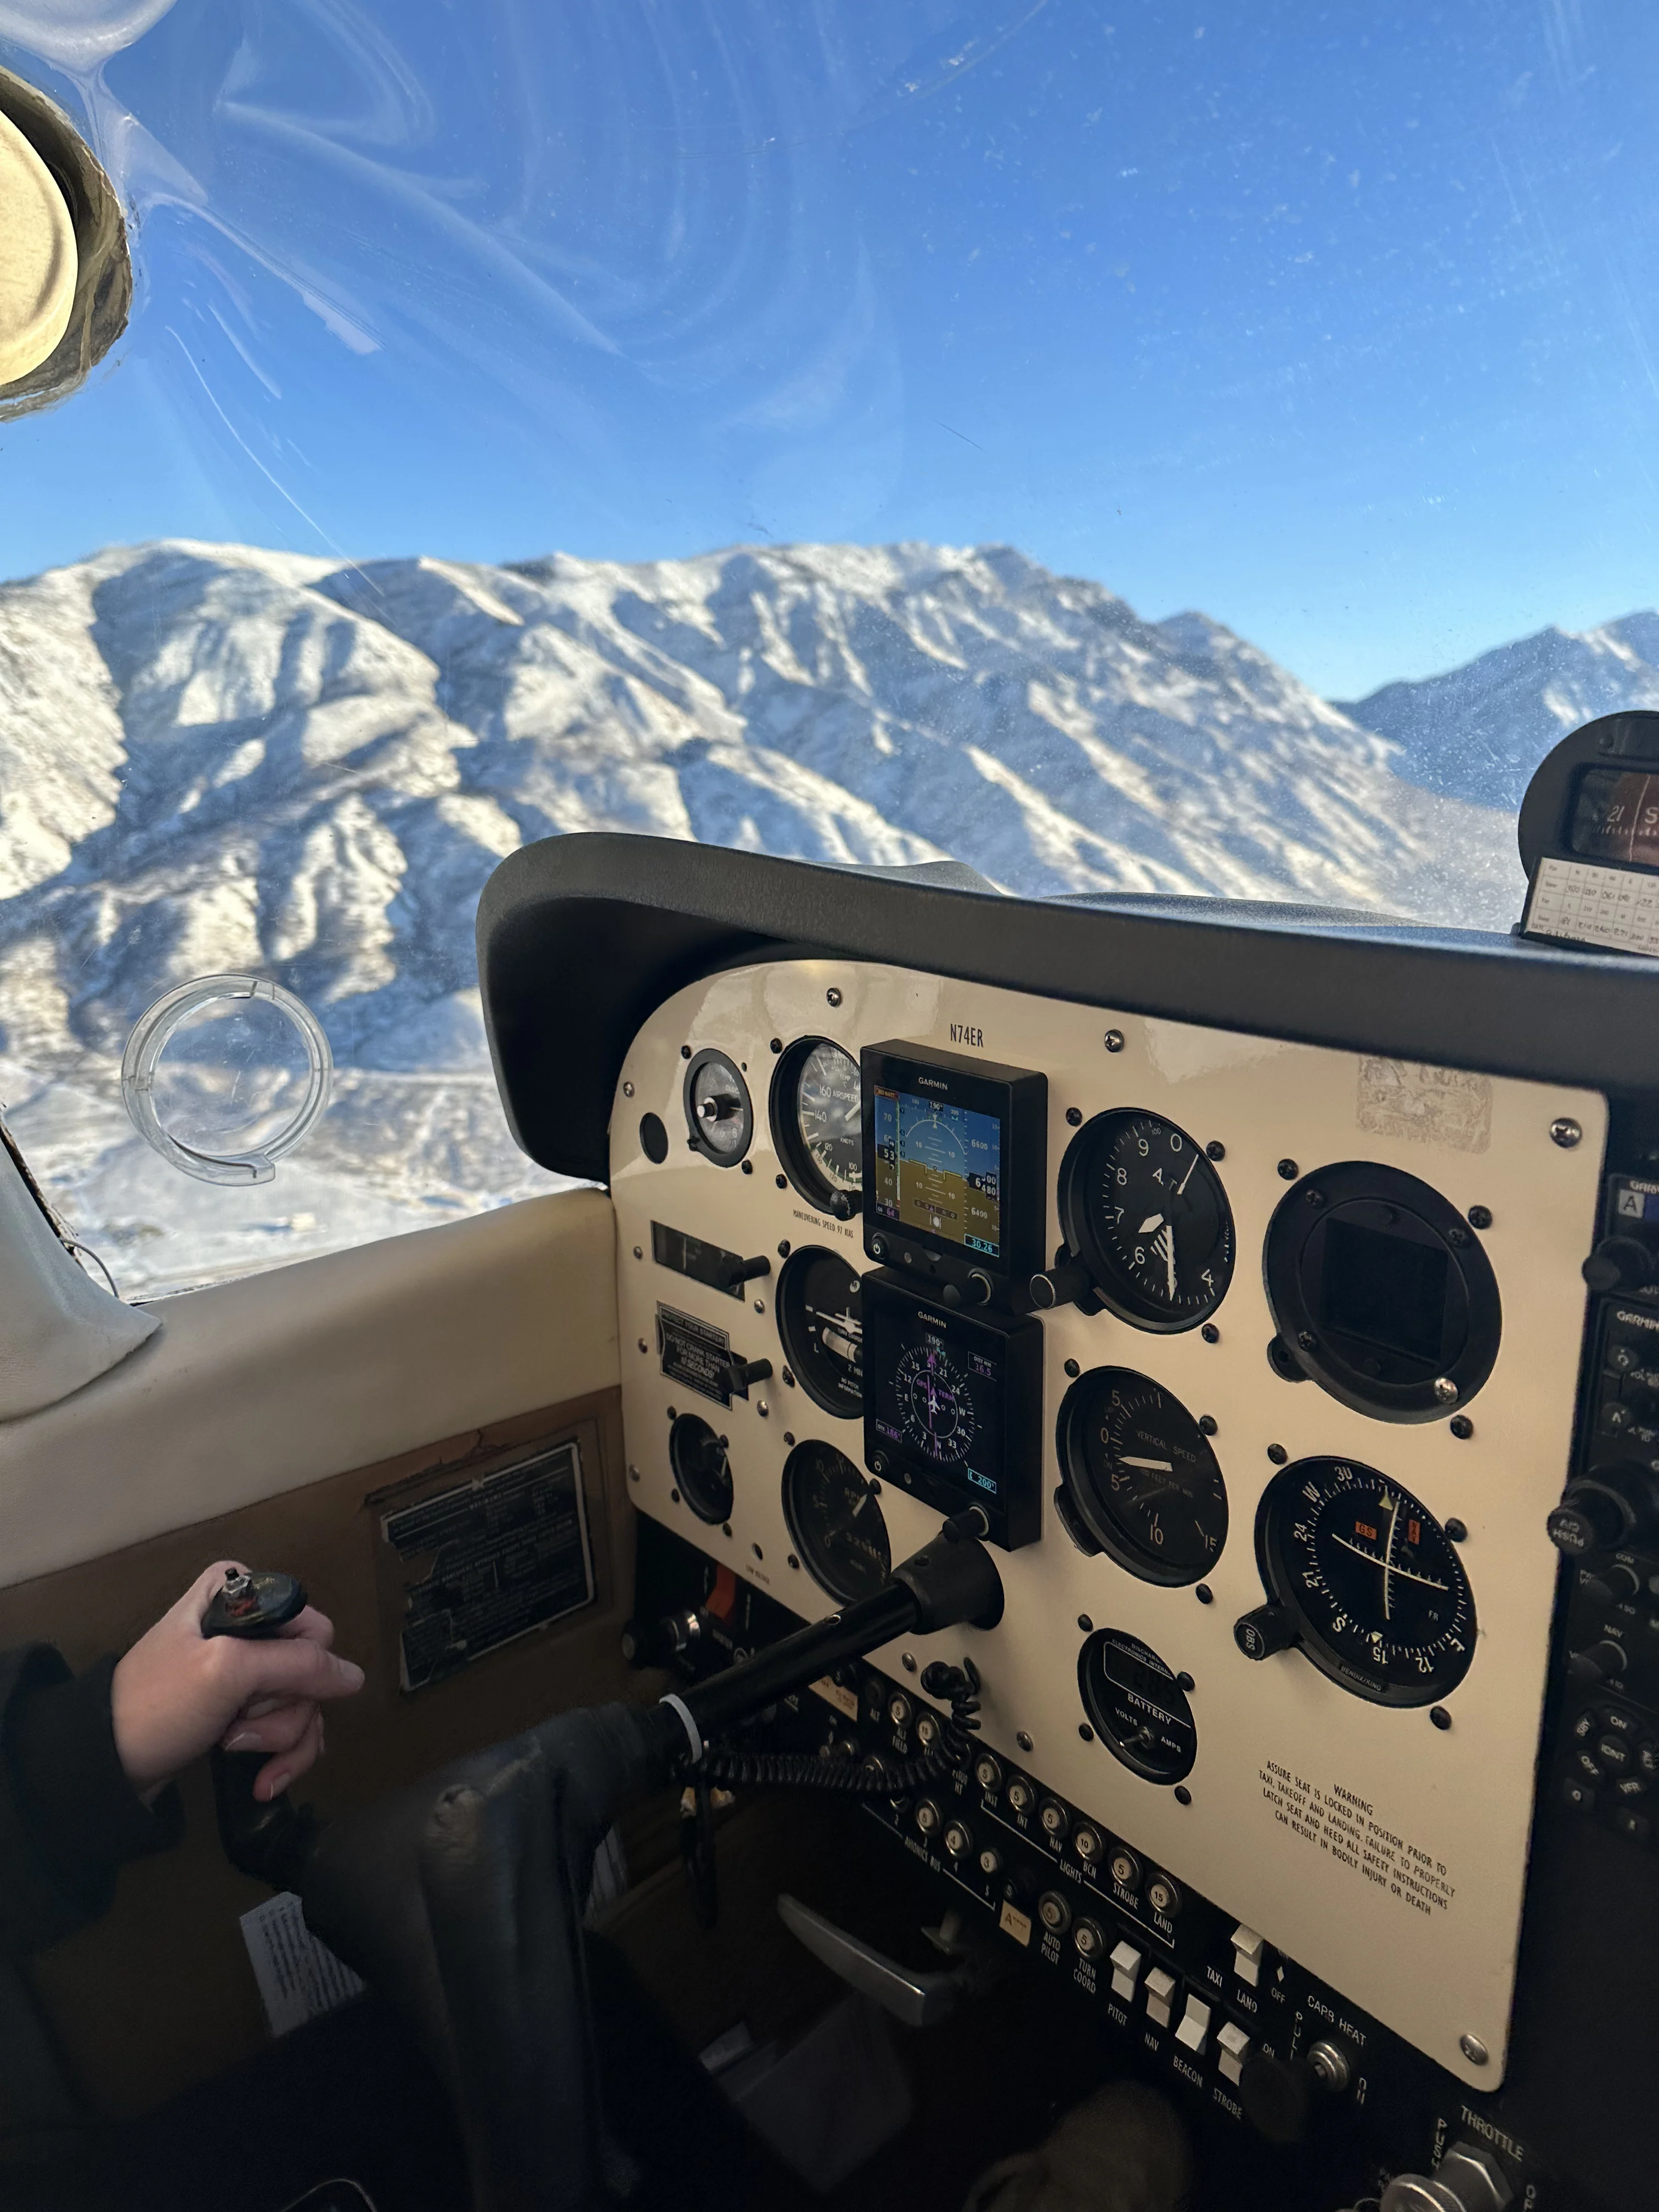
[
  {"x": 718, "y": 1111},
  {"x": 653, "y": 1138},
  {"x": 822, "y": 1329},
  {"x": 818, "y": 1124},
  {"x": 1381, "y": 1291},
  {"x": 1139, "y": 1710},
  {"x": 1370, "y": 1580},
  {"x": 1143, "y": 1210},
  {"x": 1141, "y": 1476},
  {"x": 834, "y": 1522},
  {"x": 701, "y": 1467}
]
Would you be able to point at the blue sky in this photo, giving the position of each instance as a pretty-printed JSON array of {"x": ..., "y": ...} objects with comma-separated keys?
[{"x": 1340, "y": 323}]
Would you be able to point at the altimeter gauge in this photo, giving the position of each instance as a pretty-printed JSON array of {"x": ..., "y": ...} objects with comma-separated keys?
[
  {"x": 1364, "y": 1580},
  {"x": 1145, "y": 1212},
  {"x": 1141, "y": 1475},
  {"x": 834, "y": 1522},
  {"x": 818, "y": 1124}
]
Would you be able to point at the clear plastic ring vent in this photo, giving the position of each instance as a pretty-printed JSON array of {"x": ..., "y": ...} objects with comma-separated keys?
[{"x": 225, "y": 1075}]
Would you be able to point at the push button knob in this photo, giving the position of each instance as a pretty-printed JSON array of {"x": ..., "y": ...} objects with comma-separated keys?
[
  {"x": 1603, "y": 1512},
  {"x": 1619, "y": 1263}
]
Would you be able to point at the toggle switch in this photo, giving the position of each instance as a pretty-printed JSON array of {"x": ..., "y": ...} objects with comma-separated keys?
[
  {"x": 1125, "y": 1963},
  {"x": 1233, "y": 2043},
  {"x": 1160, "y": 1995},
  {"x": 1247, "y": 1948},
  {"x": 1194, "y": 2028}
]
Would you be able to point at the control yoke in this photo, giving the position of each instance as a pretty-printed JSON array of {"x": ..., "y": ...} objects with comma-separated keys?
[{"x": 461, "y": 1898}]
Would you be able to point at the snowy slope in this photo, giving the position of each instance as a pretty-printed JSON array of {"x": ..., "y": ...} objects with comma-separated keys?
[
  {"x": 1478, "y": 732},
  {"x": 214, "y": 757}
]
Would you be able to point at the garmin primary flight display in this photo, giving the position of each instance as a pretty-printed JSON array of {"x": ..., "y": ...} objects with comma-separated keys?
[
  {"x": 953, "y": 1407},
  {"x": 954, "y": 1170}
]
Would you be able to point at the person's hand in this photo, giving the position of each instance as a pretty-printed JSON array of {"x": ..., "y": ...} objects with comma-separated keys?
[{"x": 177, "y": 1693}]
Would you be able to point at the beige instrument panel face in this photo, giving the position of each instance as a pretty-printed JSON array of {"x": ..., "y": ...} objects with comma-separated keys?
[{"x": 1385, "y": 1853}]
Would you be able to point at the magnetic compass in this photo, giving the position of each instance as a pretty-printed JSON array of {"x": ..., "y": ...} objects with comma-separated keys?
[
  {"x": 1363, "y": 1579},
  {"x": 1143, "y": 1210}
]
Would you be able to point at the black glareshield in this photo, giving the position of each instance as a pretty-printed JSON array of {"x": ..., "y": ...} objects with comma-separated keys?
[
  {"x": 955, "y": 1171},
  {"x": 951, "y": 1582}
]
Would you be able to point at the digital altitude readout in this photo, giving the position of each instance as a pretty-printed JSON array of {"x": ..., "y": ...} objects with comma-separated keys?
[{"x": 937, "y": 1170}]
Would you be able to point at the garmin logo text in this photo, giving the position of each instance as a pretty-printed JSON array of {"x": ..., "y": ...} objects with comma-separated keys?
[{"x": 931, "y": 1083}]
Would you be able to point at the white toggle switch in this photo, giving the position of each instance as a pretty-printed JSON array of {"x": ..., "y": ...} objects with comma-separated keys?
[
  {"x": 1194, "y": 2028},
  {"x": 1234, "y": 2044},
  {"x": 1126, "y": 1971},
  {"x": 1247, "y": 1948},
  {"x": 1160, "y": 1995}
]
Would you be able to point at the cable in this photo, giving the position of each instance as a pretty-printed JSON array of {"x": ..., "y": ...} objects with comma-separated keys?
[{"x": 791, "y": 1770}]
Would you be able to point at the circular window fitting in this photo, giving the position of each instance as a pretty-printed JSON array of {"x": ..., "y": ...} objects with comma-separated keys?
[
  {"x": 1381, "y": 1291},
  {"x": 103, "y": 271},
  {"x": 224, "y": 1075}
]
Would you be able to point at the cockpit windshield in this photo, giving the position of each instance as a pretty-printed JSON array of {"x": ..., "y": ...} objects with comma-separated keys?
[{"x": 1172, "y": 450}]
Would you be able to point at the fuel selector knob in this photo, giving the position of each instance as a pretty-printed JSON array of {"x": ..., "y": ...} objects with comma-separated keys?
[
  {"x": 1603, "y": 1512},
  {"x": 1467, "y": 2179}
]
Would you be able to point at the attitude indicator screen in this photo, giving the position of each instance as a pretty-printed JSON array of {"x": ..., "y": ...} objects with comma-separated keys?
[{"x": 938, "y": 1169}]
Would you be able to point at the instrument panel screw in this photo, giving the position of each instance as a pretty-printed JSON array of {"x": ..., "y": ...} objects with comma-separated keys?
[
  {"x": 726, "y": 1528},
  {"x": 1461, "y": 1427},
  {"x": 789, "y": 1437},
  {"x": 757, "y": 1552},
  {"x": 794, "y": 1563},
  {"x": 788, "y": 1379},
  {"x": 627, "y": 1090},
  {"x": 1308, "y": 1341},
  {"x": 1207, "y": 1425},
  {"x": 908, "y": 1660},
  {"x": 1183, "y": 1795},
  {"x": 1481, "y": 1216},
  {"x": 777, "y": 1044},
  {"x": 1445, "y": 1390},
  {"x": 1209, "y": 1333},
  {"x": 1085, "y": 1623},
  {"x": 1278, "y": 1455},
  {"x": 760, "y": 1307},
  {"x": 782, "y": 1181},
  {"x": 1473, "y": 2050},
  {"x": 1024, "y": 1742},
  {"x": 875, "y": 1487},
  {"x": 643, "y": 1345},
  {"x": 1457, "y": 1236},
  {"x": 1566, "y": 1132},
  {"x": 1315, "y": 1197},
  {"x": 1114, "y": 1040},
  {"x": 633, "y": 1474},
  {"x": 1185, "y": 1681},
  {"x": 638, "y": 1252},
  {"x": 1074, "y": 1117},
  {"x": 748, "y": 1167},
  {"x": 1085, "y": 1731},
  {"x": 1204, "y": 1595},
  {"x": 1215, "y": 1149},
  {"x": 783, "y": 1248},
  {"x": 673, "y": 1498},
  {"x": 1072, "y": 1370},
  {"x": 1440, "y": 1717},
  {"x": 1289, "y": 1171},
  {"x": 762, "y": 1407},
  {"x": 832, "y": 996},
  {"x": 685, "y": 1051},
  {"x": 1457, "y": 1532}
]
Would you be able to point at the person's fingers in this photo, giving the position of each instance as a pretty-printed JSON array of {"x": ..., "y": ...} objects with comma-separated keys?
[
  {"x": 278, "y": 1730},
  {"x": 316, "y": 1626},
  {"x": 273, "y": 1778},
  {"x": 284, "y": 1667}
]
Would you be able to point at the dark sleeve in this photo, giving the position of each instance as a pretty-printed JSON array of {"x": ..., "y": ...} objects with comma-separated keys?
[{"x": 69, "y": 1817}]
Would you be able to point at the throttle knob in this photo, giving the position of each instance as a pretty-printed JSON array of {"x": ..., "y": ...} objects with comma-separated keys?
[
  {"x": 1467, "y": 2179},
  {"x": 1619, "y": 1263},
  {"x": 1268, "y": 1629}
]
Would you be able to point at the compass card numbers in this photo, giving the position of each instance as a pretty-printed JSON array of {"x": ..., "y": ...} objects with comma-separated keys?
[{"x": 1143, "y": 1210}]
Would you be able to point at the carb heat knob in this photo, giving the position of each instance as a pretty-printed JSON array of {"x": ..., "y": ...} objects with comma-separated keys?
[
  {"x": 1270, "y": 1628},
  {"x": 1603, "y": 1512},
  {"x": 1619, "y": 1263}
]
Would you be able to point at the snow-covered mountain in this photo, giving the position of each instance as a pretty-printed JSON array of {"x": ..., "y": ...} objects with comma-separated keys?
[
  {"x": 214, "y": 756},
  {"x": 1478, "y": 732}
]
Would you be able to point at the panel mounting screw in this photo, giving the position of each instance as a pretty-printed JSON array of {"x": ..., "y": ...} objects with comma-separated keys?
[
  {"x": 1204, "y": 1595},
  {"x": 1074, "y": 1117},
  {"x": 748, "y": 1167},
  {"x": 726, "y": 1528},
  {"x": 1085, "y": 1731},
  {"x": 782, "y": 1182},
  {"x": 1289, "y": 1171},
  {"x": 788, "y": 1436},
  {"x": 1278, "y": 1455},
  {"x": 638, "y": 1253},
  {"x": 1215, "y": 1149},
  {"x": 1473, "y": 2050},
  {"x": 1481, "y": 1216},
  {"x": 685, "y": 1051},
  {"x": 1209, "y": 1333},
  {"x": 1461, "y": 1427},
  {"x": 783, "y": 1248},
  {"x": 1445, "y": 1390},
  {"x": 1440, "y": 1717},
  {"x": 1186, "y": 1682},
  {"x": 762, "y": 1407},
  {"x": 1085, "y": 1623},
  {"x": 1566, "y": 1132},
  {"x": 788, "y": 1379},
  {"x": 757, "y": 1552},
  {"x": 794, "y": 1563},
  {"x": 832, "y": 996},
  {"x": 627, "y": 1090},
  {"x": 777, "y": 1044},
  {"x": 643, "y": 1345},
  {"x": 908, "y": 1660},
  {"x": 1114, "y": 1040},
  {"x": 633, "y": 1473},
  {"x": 1072, "y": 1370},
  {"x": 1457, "y": 1532},
  {"x": 1023, "y": 1740},
  {"x": 1207, "y": 1425}
]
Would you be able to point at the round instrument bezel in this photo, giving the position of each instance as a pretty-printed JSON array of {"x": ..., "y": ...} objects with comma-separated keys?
[
  {"x": 1176, "y": 1766},
  {"x": 1119, "y": 1542},
  {"x": 802, "y": 1532},
  {"x": 1085, "y": 1155},
  {"x": 711, "y": 1056},
  {"x": 805, "y": 1178},
  {"x": 798, "y": 1346},
  {"x": 715, "y": 1506}
]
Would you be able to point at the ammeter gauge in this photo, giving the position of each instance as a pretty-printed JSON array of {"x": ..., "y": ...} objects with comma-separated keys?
[
  {"x": 822, "y": 1324},
  {"x": 1365, "y": 1579},
  {"x": 1144, "y": 1211},
  {"x": 1138, "y": 1706},
  {"x": 834, "y": 1522},
  {"x": 717, "y": 1112},
  {"x": 818, "y": 1124},
  {"x": 1141, "y": 1476}
]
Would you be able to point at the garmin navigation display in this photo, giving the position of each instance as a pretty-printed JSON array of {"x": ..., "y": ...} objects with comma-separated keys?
[
  {"x": 953, "y": 1407},
  {"x": 955, "y": 1171},
  {"x": 939, "y": 1167}
]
